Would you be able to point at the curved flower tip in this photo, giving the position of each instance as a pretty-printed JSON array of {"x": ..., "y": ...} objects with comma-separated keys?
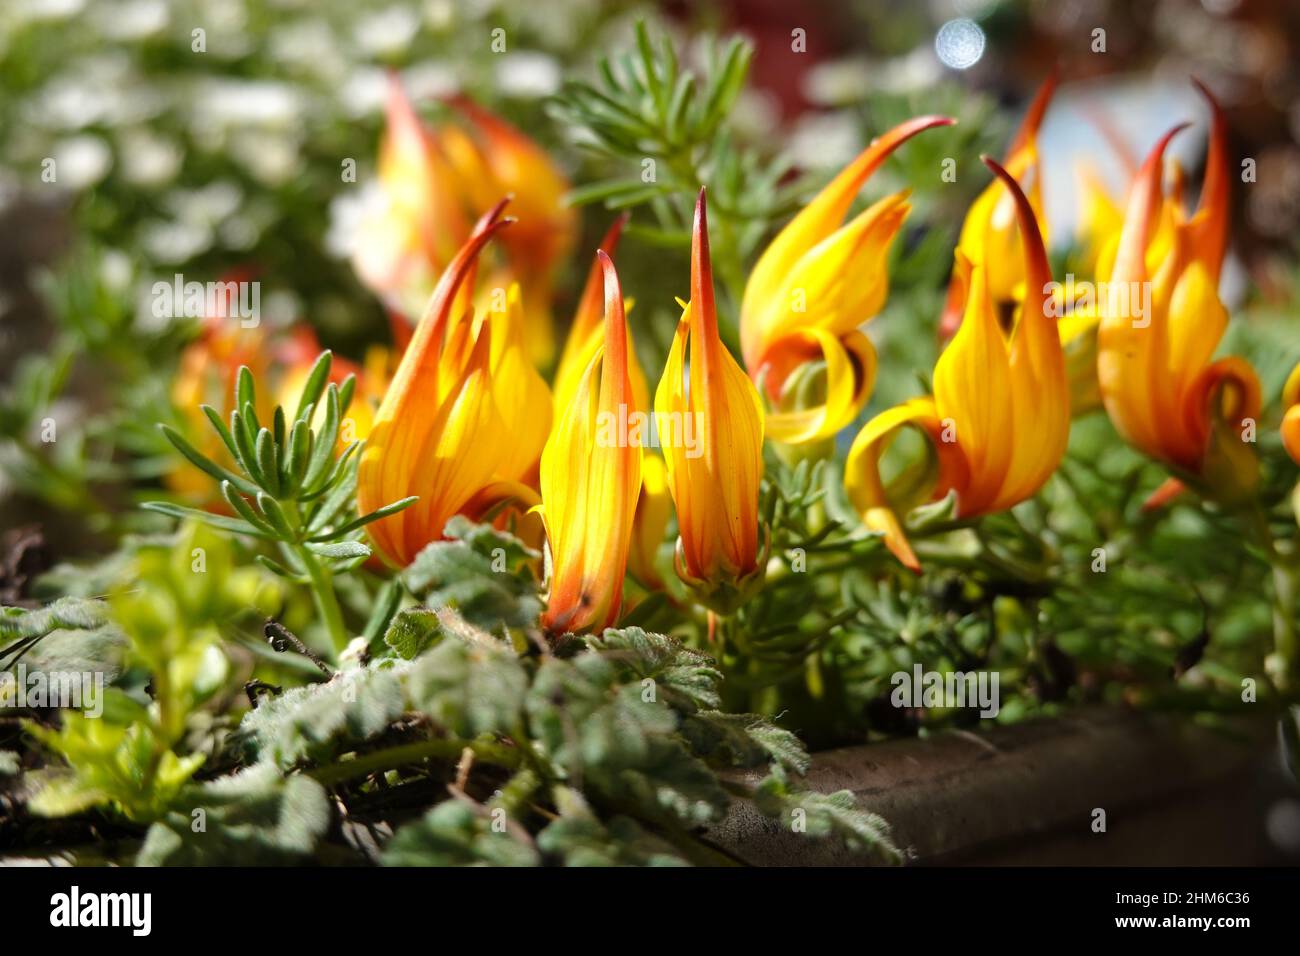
[
  {"x": 1208, "y": 226},
  {"x": 1143, "y": 207},
  {"x": 799, "y": 306},
  {"x": 992, "y": 389},
  {"x": 590, "y": 482},
  {"x": 587, "y": 332},
  {"x": 990, "y": 234},
  {"x": 710, "y": 422},
  {"x": 426, "y": 439},
  {"x": 1169, "y": 489}
]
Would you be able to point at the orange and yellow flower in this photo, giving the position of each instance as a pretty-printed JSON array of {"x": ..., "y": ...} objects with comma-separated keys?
[
  {"x": 419, "y": 219},
  {"x": 433, "y": 182},
  {"x": 1099, "y": 238},
  {"x": 710, "y": 421},
  {"x": 990, "y": 236},
  {"x": 999, "y": 418},
  {"x": 1291, "y": 415},
  {"x": 811, "y": 290},
  {"x": 462, "y": 383},
  {"x": 1161, "y": 391},
  {"x": 590, "y": 483}
]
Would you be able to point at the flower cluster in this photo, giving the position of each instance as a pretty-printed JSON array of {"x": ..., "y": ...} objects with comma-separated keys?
[{"x": 471, "y": 427}]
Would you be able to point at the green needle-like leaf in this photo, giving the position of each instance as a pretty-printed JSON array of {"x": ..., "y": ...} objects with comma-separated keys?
[
  {"x": 245, "y": 390},
  {"x": 346, "y": 391},
  {"x": 217, "y": 521},
  {"x": 315, "y": 385},
  {"x": 339, "y": 549},
  {"x": 220, "y": 427},
  {"x": 364, "y": 520},
  {"x": 295, "y": 462},
  {"x": 325, "y": 440},
  {"x": 244, "y": 444},
  {"x": 276, "y": 516},
  {"x": 340, "y": 466},
  {"x": 267, "y": 461},
  {"x": 275, "y": 567},
  {"x": 244, "y": 509},
  {"x": 205, "y": 464}
]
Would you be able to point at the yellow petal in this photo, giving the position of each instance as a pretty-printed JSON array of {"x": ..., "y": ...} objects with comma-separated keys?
[
  {"x": 850, "y": 373},
  {"x": 522, "y": 396},
  {"x": 427, "y": 396},
  {"x": 420, "y": 221},
  {"x": 990, "y": 236},
  {"x": 590, "y": 484},
  {"x": 588, "y": 332},
  {"x": 991, "y": 392},
  {"x": 972, "y": 395},
  {"x": 1161, "y": 391},
  {"x": 880, "y": 504},
  {"x": 1130, "y": 346},
  {"x": 1291, "y": 432},
  {"x": 818, "y": 220},
  {"x": 842, "y": 281},
  {"x": 653, "y": 510},
  {"x": 715, "y": 477}
]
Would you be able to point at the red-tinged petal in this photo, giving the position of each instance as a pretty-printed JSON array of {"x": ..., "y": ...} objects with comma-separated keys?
[
  {"x": 1040, "y": 396},
  {"x": 1225, "y": 401},
  {"x": 1131, "y": 347},
  {"x": 1145, "y": 199},
  {"x": 715, "y": 478},
  {"x": 1169, "y": 489},
  {"x": 1209, "y": 225},
  {"x": 850, "y": 374},
  {"x": 1029, "y": 126},
  {"x": 590, "y": 482},
  {"x": 413, "y": 405},
  {"x": 521, "y": 167},
  {"x": 588, "y": 329}
]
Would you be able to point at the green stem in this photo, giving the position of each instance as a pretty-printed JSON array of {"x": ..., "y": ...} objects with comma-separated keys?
[
  {"x": 327, "y": 602},
  {"x": 392, "y": 757},
  {"x": 321, "y": 582},
  {"x": 1286, "y": 590},
  {"x": 1285, "y": 587}
]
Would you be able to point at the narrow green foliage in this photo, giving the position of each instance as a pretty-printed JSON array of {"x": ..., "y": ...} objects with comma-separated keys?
[{"x": 293, "y": 490}]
